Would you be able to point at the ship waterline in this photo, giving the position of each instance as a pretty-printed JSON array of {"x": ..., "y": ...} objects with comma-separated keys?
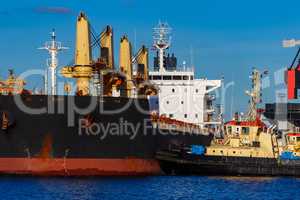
[{"x": 79, "y": 167}]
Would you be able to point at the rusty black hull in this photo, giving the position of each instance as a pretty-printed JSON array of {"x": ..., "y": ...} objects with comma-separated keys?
[{"x": 57, "y": 137}]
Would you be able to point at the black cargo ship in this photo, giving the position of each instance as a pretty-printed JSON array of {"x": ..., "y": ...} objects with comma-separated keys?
[
  {"x": 44, "y": 143},
  {"x": 85, "y": 134}
]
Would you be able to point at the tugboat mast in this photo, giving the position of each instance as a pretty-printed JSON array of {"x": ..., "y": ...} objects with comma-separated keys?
[
  {"x": 255, "y": 95},
  {"x": 53, "y": 47}
]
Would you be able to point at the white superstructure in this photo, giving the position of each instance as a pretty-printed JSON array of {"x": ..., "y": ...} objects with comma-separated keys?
[{"x": 181, "y": 96}]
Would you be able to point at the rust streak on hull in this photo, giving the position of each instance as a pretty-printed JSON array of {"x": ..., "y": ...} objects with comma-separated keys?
[{"x": 79, "y": 167}]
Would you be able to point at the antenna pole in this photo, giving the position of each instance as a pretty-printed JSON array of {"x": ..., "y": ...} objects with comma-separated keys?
[{"x": 53, "y": 47}]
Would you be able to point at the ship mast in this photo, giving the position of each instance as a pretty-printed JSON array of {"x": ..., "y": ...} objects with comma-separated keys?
[
  {"x": 53, "y": 47},
  {"x": 255, "y": 95},
  {"x": 162, "y": 41}
]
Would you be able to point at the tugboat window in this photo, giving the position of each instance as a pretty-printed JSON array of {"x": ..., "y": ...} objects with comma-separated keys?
[
  {"x": 229, "y": 130},
  {"x": 245, "y": 130},
  {"x": 259, "y": 131}
]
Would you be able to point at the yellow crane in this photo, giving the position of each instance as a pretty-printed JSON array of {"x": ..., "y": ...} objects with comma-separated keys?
[
  {"x": 106, "y": 43},
  {"x": 102, "y": 70},
  {"x": 142, "y": 73},
  {"x": 126, "y": 65},
  {"x": 82, "y": 70}
]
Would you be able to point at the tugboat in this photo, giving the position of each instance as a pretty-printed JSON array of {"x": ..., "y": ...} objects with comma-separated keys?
[{"x": 247, "y": 147}]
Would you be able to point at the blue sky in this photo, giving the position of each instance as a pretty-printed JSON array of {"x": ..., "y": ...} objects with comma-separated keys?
[{"x": 228, "y": 38}]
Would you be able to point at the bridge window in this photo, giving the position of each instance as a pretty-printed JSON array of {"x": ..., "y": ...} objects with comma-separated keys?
[
  {"x": 185, "y": 77},
  {"x": 197, "y": 90},
  {"x": 192, "y": 77},
  {"x": 167, "y": 77},
  {"x": 171, "y": 115},
  {"x": 185, "y": 115},
  {"x": 177, "y": 77},
  {"x": 173, "y": 90},
  {"x": 196, "y": 115},
  {"x": 150, "y": 77},
  {"x": 156, "y": 77}
]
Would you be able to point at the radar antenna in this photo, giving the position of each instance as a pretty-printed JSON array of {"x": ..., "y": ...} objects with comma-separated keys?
[{"x": 162, "y": 41}]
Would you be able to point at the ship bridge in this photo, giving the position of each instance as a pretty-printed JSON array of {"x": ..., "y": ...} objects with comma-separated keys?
[
  {"x": 181, "y": 96},
  {"x": 185, "y": 98}
]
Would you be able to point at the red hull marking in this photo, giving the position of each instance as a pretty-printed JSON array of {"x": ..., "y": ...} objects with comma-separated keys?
[{"x": 79, "y": 167}]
